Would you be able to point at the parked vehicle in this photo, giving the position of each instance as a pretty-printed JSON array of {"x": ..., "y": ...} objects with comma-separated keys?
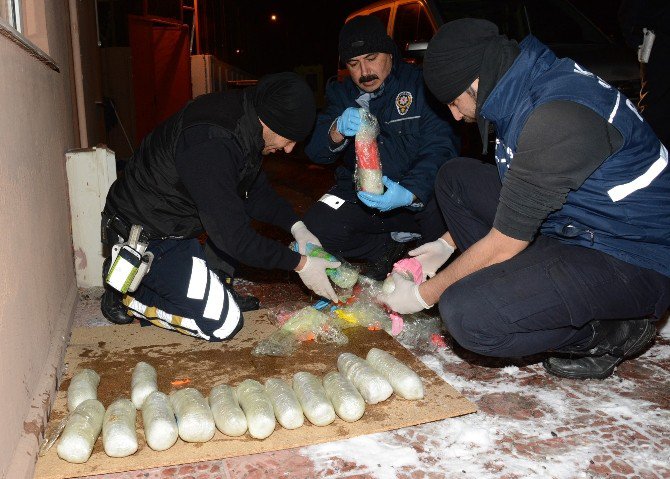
[{"x": 557, "y": 23}]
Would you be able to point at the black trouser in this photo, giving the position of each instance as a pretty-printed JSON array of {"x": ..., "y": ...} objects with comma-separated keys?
[
  {"x": 355, "y": 231},
  {"x": 182, "y": 291},
  {"x": 541, "y": 299}
]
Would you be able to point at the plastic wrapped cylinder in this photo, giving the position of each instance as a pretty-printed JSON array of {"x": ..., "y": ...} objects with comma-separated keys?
[
  {"x": 143, "y": 383},
  {"x": 83, "y": 386},
  {"x": 160, "y": 424},
  {"x": 370, "y": 180},
  {"x": 344, "y": 276},
  {"x": 280, "y": 343},
  {"x": 405, "y": 382},
  {"x": 388, "y": 286},
  {"x": 306, "y": 322},
  {"x": 119, "y": 436},
  {"x": 348, "y": 403},
  {"x": 257, "y": 407},
  {"x": 368, "y": 314},
  {"x": 370, "y": 384},
  {"x": 409, "y": 268},
  {"x": 421, "y": 330},
  {"x": 81, "y": 431},
  {"x": 228, "y": 415},
  {"x": 285, "y": 403},
  {"x": 313, "y": 399},
  {"x": 368, "y": 163},
  {"x": 194, "y": 418}
]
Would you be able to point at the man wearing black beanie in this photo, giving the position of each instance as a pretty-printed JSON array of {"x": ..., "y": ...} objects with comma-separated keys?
[
  {"x": 413, "y": 143},
  {"x": 566, "y": 240},
  {"x": 200, "y": 171}
]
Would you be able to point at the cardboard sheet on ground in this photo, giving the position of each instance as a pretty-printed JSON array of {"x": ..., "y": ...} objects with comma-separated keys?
[{"x": 113, "y": 351}]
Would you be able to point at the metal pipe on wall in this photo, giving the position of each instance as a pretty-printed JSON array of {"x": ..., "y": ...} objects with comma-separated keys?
[{"x": 78, "y": 74}]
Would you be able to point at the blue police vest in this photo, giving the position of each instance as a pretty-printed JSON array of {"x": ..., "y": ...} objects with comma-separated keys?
[{"x": 623, "y": 208}]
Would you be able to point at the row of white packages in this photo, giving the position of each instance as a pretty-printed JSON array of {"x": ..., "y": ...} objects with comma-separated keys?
[{"x": 252, "y": 407}]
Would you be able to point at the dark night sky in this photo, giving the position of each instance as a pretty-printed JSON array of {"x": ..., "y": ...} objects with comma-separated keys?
[{"x": 306, "y": 31}]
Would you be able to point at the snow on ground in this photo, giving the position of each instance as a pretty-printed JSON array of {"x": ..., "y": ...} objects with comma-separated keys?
[{"x": 530, "y": 425}]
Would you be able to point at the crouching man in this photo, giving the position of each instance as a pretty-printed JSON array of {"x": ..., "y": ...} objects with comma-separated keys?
[
  {"x": 200, "y": 171},
  {"x": 566, "y": 241}
]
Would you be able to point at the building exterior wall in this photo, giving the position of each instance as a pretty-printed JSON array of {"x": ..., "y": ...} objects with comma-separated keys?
[{"x": 38, "y": 124}]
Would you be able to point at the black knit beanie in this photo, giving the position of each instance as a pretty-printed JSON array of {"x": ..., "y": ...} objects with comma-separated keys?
[
  {"x": 285, "y": 103},
  {"x": 454, "y": 56},
  {"x": 362, "y": 35}
]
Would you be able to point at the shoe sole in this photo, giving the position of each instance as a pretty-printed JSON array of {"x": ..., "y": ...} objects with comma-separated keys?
[{"x": 561, "y": 374}]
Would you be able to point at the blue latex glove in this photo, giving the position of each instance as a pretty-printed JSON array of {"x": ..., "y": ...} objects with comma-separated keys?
[
  {"x": 349, "y": 122},
  {"x": 395, "y": 196}
]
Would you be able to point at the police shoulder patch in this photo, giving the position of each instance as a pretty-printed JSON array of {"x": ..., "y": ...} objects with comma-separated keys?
[{"x": 403, "y": 101}]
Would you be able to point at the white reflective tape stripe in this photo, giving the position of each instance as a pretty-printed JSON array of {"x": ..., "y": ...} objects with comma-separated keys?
[
  {"x": 138, "y": 307},
  {"x": 164, "y": 315},
  {"x": 403, "y": 119},
  {"x": 186, "y": 326},
  {"x": 620, "y": 192},
  {"x": 163, "y": 324},
  {"x": 198, "y": 282},
  {"x": 231, "y": 321},
  {"x": 215, "y": 298},
  {"x": 581, "y": 71},
  {"x": 616, "y": 107},
  {"x": 331, "y": 200},
  {"x": 191, "y": 326},
  {"x": 603, "y": 83}
]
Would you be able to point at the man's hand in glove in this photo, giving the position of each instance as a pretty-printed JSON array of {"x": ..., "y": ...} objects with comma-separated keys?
[
  {"x": 303, "y": 236},
  {"x": 395, "y": 196},
  {"x": 349, "y": 122},
  {"x": 312, "y": 272},
  {"x": 405, "y": 298},
  {"x": 432, "y": 255}
]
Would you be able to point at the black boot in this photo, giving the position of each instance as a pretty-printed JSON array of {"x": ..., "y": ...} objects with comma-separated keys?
[
  {"x": 111, "y": 303},
  {"x": 611, "y": 343},
  {"x": 245, "y": 302},
  {"x": 380, "y": 268}
]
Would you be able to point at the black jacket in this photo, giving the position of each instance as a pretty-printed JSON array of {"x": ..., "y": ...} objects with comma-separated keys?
[
  {"x": 200, "y": 171},
  {"x": 414, "y": 140}
]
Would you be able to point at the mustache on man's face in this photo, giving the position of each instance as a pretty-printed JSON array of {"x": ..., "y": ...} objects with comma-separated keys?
[{"x": 367, "y": 78}]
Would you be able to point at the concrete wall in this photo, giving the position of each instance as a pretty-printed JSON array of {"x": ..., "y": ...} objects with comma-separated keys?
[{"x": 38, "y": 124}]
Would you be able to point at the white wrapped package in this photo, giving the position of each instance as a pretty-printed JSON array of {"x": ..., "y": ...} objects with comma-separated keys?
[
  {"x": 372, "y": 386},
  {"x": 82, "y": 429},
  {"x": 83, "y": 386},
  {"x": 143, "y": 383},
  {"x": 194, "y": 418},
  {"x": 160, "y": 424},
  {"x": 348, "y": 403},
  {"x": 228, "y": 414},
  {"x": 119, "y": 436},
  {"x": 368, "y": 172},
  {"x": 405, "y": 382},
  {"x": 257, "y": 406},
  {"x": 285, "y": 403},
  {"x": 315, "y": 404}
]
